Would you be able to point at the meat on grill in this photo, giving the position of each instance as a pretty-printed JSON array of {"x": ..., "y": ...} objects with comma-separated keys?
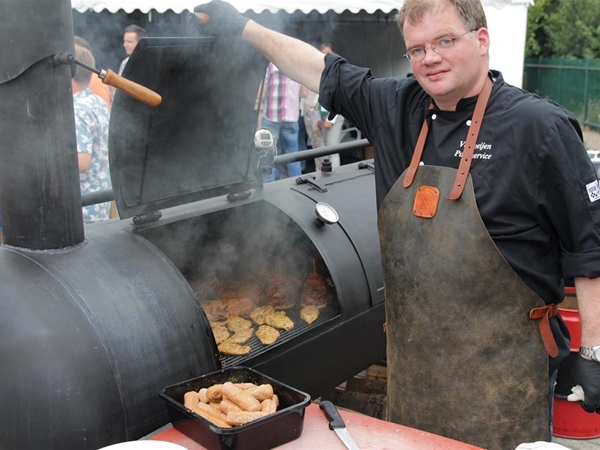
[
  {"x": 281, "y": 292},
  {"x": 315, "y": 290}
]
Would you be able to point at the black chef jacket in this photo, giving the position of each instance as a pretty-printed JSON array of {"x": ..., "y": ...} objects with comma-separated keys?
[{"x": 535, "y": 186}]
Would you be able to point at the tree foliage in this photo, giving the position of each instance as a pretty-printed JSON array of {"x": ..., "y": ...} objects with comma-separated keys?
[{"x": 563, "y": 29}]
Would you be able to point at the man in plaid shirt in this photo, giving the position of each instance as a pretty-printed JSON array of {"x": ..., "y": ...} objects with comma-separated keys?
[{"x": 281, "y": 114}]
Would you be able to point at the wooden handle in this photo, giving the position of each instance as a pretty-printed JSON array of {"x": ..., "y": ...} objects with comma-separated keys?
[
  {"x": 137, "y": 91},
  {"x": 203, "y": 18}
]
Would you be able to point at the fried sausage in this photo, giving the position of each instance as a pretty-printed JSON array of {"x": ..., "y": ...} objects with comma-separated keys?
[
  {"x": 191, "y": 399},
  {"x": 213, "y": 419},
  {"x": 212, "y": 410},
  {"x": 240, "y": 397},
  {"x": 261, "y": 392},
  {"x": 203, "y": 396},
  {"x": 242, "y": 417},
  {"x": 214, "y": 393},
  {"x": 268, "y": 406},
  {"x": 227, "y": 406}
]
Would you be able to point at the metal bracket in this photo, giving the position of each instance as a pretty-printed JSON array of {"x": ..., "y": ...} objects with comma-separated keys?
[
  {"x": 309, "y": 179},
  {"x": 366, "y": 165}
]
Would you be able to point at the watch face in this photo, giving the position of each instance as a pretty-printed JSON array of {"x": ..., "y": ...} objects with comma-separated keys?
[{"x": 596, "y": 353}]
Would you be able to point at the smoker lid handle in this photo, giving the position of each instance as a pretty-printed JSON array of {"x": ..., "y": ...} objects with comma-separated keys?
[{"x": 137, "y": 91}]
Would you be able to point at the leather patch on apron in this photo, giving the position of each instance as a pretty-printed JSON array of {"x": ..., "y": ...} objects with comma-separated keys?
[
  {"x": 464, "y": 359},
  {"x": 426, "y": 202}
]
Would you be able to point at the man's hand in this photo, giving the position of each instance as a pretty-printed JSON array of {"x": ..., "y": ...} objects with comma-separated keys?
[
  {"x": 224, "y": 20},
  {"x": 587, "y": 375}
]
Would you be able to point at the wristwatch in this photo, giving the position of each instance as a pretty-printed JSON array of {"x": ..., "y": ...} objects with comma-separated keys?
[{"x": 591, "y": 352}]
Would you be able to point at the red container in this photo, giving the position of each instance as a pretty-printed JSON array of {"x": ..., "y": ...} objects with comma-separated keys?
[
  {"x": 571, "y": 318},
  {"x": 570, "y": 420}
]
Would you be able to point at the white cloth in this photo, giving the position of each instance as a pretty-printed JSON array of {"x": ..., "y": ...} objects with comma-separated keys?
[{"x": 541, "y": 446}]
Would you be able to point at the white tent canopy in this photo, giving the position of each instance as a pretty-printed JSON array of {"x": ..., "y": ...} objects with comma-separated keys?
[
  {"x": 507, "y": 20},
  {"x": 259, "y": 6}
]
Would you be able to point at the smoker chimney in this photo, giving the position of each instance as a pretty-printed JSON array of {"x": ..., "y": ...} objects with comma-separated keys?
[{"x": 40, "y": 198}]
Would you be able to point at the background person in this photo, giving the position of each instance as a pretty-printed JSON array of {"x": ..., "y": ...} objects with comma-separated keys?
[
  {"x": 535, "y": 187},
  {"x": 280, "y": 116},
  {"x": 131, "y": 36},
  {"x": 91, "y": 126},
  {"x": 96, "y": 85}
]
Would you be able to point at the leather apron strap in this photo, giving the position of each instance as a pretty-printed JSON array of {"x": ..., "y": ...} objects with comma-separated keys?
[
  {"x": 467, "y": 157},
  {"x": 543, "y": 314}
]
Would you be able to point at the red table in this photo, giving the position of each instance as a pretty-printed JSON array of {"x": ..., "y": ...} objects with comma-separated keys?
[{"x": 369, "y": 433}]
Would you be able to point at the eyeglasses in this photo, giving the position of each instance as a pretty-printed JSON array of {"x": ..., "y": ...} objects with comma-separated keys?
[{"x": 439, "y": 46}]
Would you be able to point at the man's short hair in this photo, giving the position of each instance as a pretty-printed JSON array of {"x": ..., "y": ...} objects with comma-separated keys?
[
  {"x": 82, "y": 54},
  {"x": 83, "y": 43},
  {"x": 470, "y": 12},
  {"x": 139, "y": 31}
]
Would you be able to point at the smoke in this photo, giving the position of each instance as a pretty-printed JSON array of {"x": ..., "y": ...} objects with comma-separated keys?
[{"x": 244, "y": 241}]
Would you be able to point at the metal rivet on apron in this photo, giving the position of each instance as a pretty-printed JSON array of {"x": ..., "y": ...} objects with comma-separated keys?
[
  {"x": 421, "y": 163},
  {"x": 433, "y": 116},
  {"x": 468, "y": 123}
]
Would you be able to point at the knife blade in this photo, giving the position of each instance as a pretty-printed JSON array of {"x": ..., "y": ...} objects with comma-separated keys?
[{"x": 337, "y": 424}]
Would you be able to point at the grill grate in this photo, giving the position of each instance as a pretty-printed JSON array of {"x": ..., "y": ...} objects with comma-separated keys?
[{"x": 300, "y": 327}]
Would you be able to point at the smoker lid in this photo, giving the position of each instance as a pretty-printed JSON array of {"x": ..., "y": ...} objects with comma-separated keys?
[{"x": 198, "y": 143}]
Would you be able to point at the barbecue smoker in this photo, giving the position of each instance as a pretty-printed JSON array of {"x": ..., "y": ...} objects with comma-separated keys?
[{"x": 97, "y": 321}]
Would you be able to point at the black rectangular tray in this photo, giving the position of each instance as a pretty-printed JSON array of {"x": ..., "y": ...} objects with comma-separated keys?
[{"x": 283, "y": 426}]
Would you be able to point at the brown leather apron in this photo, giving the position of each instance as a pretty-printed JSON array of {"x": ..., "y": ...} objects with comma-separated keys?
[{"x": 464, "y": 359}]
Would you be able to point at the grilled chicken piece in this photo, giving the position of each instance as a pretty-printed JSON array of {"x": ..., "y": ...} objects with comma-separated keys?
[
  {"x": 236, "y": 323},
  {"x": 259, "y": 314},
  {"x": 267, "y": 334},
  {"x": 220, "y": 331},
  {"x": 309, "y": 313},
  {"x": 280, "y": 320},
  {"x": 231, "y": 349},
  {"x": 241, "y": 337}
]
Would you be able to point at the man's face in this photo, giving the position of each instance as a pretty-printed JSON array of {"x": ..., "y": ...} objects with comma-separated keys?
[
  {"x": 130, "y": 40},
  {"x": 457, "y": 72}
]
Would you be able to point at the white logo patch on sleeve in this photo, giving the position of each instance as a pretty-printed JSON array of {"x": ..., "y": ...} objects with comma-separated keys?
[{"x": 593, "y": 190}]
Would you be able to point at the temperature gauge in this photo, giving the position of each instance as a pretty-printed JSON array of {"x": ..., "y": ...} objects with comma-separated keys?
[{"x": 326, "y": 213}]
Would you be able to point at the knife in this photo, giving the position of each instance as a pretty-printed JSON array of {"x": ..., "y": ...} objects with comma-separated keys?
[{"x": 337, "y": 424}]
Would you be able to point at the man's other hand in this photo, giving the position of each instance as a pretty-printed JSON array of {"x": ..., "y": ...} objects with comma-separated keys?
[{"x": 587, "y": 375}]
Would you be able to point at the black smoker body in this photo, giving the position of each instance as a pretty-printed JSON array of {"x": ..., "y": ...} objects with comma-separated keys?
[{"x": 94, "y": 326}]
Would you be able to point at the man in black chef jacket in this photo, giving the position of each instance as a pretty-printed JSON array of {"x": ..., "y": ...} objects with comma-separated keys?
[{"x": 487, "y": 203}]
